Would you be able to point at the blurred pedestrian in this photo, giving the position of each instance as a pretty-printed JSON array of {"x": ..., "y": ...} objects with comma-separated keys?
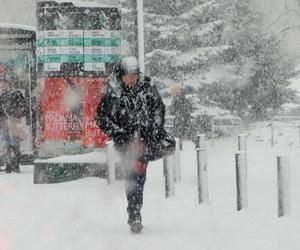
[{"x": 13, "y": 108}]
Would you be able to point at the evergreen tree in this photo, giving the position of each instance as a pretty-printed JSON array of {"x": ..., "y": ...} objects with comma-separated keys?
[
  {"x": 187, "y": 39},
  {"x": 129, "y": 27},
  {"x": 183, "y": 39},
  {"x": 268, "y": 84},
  {"x": 261, "y": 66}
]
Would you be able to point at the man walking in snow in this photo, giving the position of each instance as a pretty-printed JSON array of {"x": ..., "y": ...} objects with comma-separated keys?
[{"x": 132, "y": 113}]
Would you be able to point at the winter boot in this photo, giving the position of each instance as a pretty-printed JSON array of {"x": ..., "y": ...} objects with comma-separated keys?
[
  {"x": 132, "y": 218},
  {"x": 12, "y": 167},
  {"x": 136, "y": 227},
  {"x": 8, "y": 169},
  {"x": 16, "y": 169}
]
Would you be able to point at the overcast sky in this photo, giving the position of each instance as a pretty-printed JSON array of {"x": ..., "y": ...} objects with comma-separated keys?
[
  {"x": 23, "y": 12},
  {"x": 18, "y": 11}
]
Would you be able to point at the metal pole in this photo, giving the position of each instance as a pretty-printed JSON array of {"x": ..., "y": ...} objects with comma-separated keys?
[
  {"x": 299, "y": 133},
  {"x": 283, "y": 186},
  {"x": 169, "y": 176},
  {"x": 241, "y": 180},
  {"x": 202, "y": 175},
  {"x": 180, "y": 144},
  {"x": 242, "y": 146},
  {"x": 140, "y": 22},
  {"x": 32, "y": 131},
  {"x": 177, "y": 161},
  {"x": 111, "y": 164},
  {"x": 212, "y": 133},
  {"x": 164, "y": 167},
  {"x": 272, "y": 134}
]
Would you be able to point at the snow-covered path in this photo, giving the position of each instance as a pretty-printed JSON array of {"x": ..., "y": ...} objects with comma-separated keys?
[{"x": 89, "y": 214}]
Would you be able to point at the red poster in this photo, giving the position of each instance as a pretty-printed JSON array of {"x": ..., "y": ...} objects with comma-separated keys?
[
  {"x": 92, "y": 136},
  {"x": 54, "y": 112},
  {"x": 62, "y": 108},
  {"x": 73, "y": 104},
  {"x": 69, "y": 107}
]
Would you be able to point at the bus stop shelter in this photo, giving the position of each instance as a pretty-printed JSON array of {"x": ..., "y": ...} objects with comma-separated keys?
[{"x": 17, "y": 54}]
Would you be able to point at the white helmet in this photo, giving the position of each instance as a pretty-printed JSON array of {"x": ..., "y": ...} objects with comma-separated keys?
[{"x": 128, "y": 65}]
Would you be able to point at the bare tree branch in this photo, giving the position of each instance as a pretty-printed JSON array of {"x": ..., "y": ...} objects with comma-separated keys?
[
  {"x": 288, "y": 28},
  {"x": 282, "y": 15}
]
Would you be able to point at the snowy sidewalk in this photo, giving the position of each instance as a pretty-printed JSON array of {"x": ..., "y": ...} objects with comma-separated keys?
[{"x": 89, "y": 214}]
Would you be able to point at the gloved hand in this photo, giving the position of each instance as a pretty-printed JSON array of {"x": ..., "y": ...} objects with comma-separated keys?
[{"x": 139, "y": 167}]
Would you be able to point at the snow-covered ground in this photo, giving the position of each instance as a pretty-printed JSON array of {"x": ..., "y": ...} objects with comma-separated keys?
[{"x": 89, "y": 214}]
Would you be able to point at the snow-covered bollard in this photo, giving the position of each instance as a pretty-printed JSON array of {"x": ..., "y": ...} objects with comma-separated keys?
[
  {"x": 177, "y": 165},
  {"x": 242, "y": 145},
  {"x": 241, "y": 180},
  {"x": 180, "y": 144},
  {"x": 242, "y": 142},
  {"x": 283, "y": 181},
  {"x": 202, "y": 169},
  {"x": 111, "y": 163},
  {"x": 299, "y": 133},
  {"x": 168, "y": 162}
]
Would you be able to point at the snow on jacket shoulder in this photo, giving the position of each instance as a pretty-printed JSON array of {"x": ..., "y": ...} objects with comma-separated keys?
[{"x": 123, "y": 110}]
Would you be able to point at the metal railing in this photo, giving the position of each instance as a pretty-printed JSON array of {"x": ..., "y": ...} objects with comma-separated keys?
[
  {"x": 234, "y": 122},
  {"x": 283, "y": 119}
]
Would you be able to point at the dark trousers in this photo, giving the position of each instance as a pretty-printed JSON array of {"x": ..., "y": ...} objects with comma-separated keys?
[
  {"x": 12, "y": 148},
  {"x": 134, "y": 185},
  {"x": 14, "y": 157}
]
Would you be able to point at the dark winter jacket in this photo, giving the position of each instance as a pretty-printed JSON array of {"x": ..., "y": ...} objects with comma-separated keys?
[
  {"x": 124, "y": 111},
  {"x": 13, "y": 103}
]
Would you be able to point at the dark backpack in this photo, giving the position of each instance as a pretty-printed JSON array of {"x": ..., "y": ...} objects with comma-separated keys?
[{"x": 164, "y": 146}]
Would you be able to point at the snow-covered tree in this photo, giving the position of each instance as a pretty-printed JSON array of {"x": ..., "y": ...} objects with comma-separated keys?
[
  {"x": 260, "y": 66},
  {"x": 129, "y": 27},
  {"x": 220, "y": 48},
  {"x": 183, "y": 39},
  {"x": 269, "y": 79}
]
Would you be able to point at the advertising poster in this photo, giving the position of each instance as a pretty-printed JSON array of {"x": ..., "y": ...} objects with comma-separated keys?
[
  {"x": 62, "y": 119},
  {"x": 77, "y": 48},
  {"x": 92, "y": 136}
]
